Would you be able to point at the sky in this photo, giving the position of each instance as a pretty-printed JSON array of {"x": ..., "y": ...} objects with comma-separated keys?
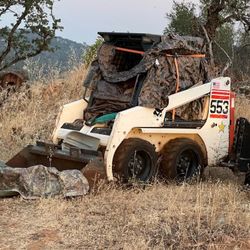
[{"x": 83, "y": 19}]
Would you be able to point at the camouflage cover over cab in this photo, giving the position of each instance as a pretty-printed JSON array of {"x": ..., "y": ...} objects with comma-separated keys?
[{"x": 139, "y": 69}]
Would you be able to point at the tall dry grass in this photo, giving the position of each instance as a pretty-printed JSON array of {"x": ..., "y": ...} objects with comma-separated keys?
[
  {"x": 203, "y": 216},
  {"x": 30, "y": 113},
  {"x": 242, "y": 107}
]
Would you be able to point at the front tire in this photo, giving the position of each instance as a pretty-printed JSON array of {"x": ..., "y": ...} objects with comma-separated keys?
[
  {"x": 182, "y": 160},
  {"x": 135, "y": 159}
]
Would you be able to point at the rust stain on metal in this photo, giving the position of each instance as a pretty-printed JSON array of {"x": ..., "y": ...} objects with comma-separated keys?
[{"x": 12, "y": 79}]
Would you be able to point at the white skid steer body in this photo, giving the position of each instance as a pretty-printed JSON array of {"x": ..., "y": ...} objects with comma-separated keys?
[{"x": 147, "y": 124}]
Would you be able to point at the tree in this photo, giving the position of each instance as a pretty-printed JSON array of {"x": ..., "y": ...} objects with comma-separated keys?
[
  {"x": 224, "y": 39},
  {"x": 91, "y": 52},
  {"x": 219, "y": 12},
  {"x": 182, "y": 19},
  {"x": 32, "y": 28},
  {"x": 214, "y": 20},
  {"x": 242, "y": 52},
  {"x": 212, "y": 14}
]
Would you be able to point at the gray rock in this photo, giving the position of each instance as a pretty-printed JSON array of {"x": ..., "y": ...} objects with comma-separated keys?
[{"x": 39, "y": 181}]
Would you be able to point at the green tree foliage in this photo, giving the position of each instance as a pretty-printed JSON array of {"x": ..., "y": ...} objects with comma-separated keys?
[
  {"x": 182, "y": 19},
  {"x": 241, "y": 54},
  {"x": 91, "y": 52},
  {"x": 219, "y": 12},
  {"x": 224, "y": 37},
  {"x": 32, "y": 27},
  {"x": 186, "y": 19},
  {"x": 215, "y": 20}
]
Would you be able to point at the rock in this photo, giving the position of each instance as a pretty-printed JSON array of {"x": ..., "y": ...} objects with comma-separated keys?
[
  {"x": 40, "y": 181},
  {"x": 94, "y": 171}
]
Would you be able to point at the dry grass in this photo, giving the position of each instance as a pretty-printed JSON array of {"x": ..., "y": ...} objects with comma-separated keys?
[
  {"x": 202, "y": 216},
  {"x": 242, "y": 107},
  {"x": 29, "y": 114}
]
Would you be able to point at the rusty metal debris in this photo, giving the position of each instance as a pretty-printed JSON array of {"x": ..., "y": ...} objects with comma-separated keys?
[{"x": 12, "y": 79}]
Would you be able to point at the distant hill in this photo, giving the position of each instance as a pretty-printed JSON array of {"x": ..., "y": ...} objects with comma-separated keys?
[{"x": 66, "y": 54}]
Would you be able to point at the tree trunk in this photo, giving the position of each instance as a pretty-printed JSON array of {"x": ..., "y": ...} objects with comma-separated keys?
[{"x": 213, "y": 17}]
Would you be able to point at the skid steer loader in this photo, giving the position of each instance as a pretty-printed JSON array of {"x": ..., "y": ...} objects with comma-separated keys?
[{"x": 134, "y": 142}]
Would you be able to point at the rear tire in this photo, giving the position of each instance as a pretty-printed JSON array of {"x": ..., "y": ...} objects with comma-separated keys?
[
  {"x": 247, "y": 179},
  {"x": 135, "y": 159},
  {"x": 182, "y": 160}
]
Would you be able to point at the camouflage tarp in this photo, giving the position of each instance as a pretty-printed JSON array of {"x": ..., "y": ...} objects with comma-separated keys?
[
  {"x": 113, "y": 88},
  {"x": 40, "y": 181}
]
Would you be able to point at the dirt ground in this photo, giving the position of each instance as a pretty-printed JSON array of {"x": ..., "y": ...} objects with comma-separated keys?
[{"x": 201, "y": 216}]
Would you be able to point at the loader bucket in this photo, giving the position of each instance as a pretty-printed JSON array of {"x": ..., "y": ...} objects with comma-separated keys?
[{"x": 50, "y": 155}]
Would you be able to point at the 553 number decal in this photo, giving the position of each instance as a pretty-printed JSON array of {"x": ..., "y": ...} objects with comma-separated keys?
[{"x": 219, "y": 107}]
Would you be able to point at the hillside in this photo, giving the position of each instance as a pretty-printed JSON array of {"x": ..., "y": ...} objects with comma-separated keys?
[
  {"x": 64, "y": 57},
  {"x": 64, "y": 50},
  {"x": 209, "y": 215}
]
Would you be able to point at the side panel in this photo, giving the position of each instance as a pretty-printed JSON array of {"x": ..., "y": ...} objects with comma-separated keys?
[
  {"x": 215, "y": 133},
  {"x": 68, "y": 113},
  {"x": 232, "y": 121}
]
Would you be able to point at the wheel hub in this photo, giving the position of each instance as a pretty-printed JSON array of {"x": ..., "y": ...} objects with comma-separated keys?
[
  {"x": 136, "y": 164},
  {"x": 185, "y": 163}
]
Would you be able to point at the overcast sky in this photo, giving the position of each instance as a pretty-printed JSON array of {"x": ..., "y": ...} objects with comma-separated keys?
[{"x": 83, "y": 19}]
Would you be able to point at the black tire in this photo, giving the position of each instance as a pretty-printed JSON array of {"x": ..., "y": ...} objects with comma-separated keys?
[
  {"x": 182, "y": 160},
  {"x": 247, "y": 179},
  {"x": 135, "y": 159}
]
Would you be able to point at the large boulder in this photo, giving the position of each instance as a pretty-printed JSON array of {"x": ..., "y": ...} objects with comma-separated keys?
[{"x": 40, "y": 181}]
